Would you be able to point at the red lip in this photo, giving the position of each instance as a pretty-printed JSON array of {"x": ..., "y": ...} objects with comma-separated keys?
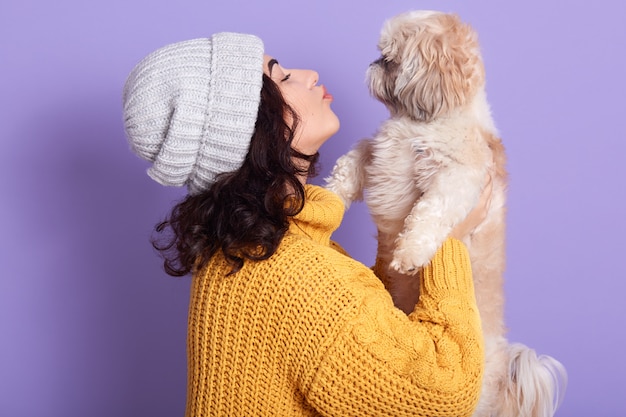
[{"x": 327, "y": 95}]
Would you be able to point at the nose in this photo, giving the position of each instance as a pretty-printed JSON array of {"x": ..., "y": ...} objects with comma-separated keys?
[
  {"x": 314, "y": 78},
  {"x": 308, "y": 77},
  {"x": 379, "y": 61}
]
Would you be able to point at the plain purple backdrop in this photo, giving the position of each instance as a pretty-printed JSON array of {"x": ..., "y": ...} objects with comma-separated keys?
[{"x": 89, "y": 323}]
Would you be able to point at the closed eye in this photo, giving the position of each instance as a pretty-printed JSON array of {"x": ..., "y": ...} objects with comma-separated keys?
[{"x": 286, "y": 78}]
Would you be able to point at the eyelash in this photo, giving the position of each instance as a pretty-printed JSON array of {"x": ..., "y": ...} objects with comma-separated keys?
[{"x": 286, "y": 78}]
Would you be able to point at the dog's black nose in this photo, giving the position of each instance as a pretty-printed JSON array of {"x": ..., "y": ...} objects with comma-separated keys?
[{"x": 380, "y": 61}]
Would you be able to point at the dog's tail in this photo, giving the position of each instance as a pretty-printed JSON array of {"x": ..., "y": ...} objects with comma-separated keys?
[{"x": 536, "y": 384}]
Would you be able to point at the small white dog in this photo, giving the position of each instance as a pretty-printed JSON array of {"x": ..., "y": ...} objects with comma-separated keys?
[{"x": 423, "y": 173}]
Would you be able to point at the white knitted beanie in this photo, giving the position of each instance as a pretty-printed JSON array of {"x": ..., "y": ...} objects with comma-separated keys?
[{"x": 190, "y": 107}]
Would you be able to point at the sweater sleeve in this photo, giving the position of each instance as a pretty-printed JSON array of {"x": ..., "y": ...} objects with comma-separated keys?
[{"x": 427, "y": 364}]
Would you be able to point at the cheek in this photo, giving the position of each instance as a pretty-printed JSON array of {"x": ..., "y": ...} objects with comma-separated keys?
[
  {"x": 292, "y": 98},
  {"x": 302, "y": 108}
]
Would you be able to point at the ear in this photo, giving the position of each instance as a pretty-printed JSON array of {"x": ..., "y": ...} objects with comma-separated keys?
[
  {"x": 417, "y": 86},
  {"x": 440, "y": 69}
]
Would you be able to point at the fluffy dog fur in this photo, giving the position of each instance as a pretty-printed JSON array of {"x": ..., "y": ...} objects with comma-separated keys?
[{"x": 423, "y": 173}]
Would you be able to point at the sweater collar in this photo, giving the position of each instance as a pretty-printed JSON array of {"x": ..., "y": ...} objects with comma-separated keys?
[{"x": 321, "y": 216}]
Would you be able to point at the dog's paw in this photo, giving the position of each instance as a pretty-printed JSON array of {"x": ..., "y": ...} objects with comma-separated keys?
[
  {"x": 405, "y": 262},
  {"x": 410, "y": 254},
  {"x": 344, "y": 180},
  {"x": 340, "y": 188},
  {"x": 403, "y": 265}
]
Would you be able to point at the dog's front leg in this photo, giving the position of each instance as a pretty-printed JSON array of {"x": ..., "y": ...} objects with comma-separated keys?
[
  {"x": 347, "y": 178},
  {"x": 453, "y": 192}
]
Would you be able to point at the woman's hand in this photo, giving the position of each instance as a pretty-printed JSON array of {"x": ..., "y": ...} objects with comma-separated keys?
[{"x": 477, "y": 215}]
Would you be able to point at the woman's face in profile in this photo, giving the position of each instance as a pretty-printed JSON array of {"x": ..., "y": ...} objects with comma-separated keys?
[{"x": 311, "y": 101}]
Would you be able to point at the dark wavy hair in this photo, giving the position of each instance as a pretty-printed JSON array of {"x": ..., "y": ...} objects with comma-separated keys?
[{"x": 244, "y": 213}]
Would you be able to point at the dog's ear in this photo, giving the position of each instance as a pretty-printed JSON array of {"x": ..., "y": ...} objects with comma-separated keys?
[{"x": 440, "y": 68}]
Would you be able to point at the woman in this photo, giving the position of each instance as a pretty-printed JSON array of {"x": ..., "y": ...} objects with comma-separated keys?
[{"x": 281, "y": 321}]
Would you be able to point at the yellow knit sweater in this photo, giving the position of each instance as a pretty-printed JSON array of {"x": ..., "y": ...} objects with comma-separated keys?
[{"x": 312, "y": 332}]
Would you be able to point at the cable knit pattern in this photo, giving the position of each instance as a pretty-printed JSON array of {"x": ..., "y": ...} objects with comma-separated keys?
[{"x": 311, "y": 332}]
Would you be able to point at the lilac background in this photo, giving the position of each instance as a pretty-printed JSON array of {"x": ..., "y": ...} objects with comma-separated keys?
[{"x": 91, "y": 326}]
